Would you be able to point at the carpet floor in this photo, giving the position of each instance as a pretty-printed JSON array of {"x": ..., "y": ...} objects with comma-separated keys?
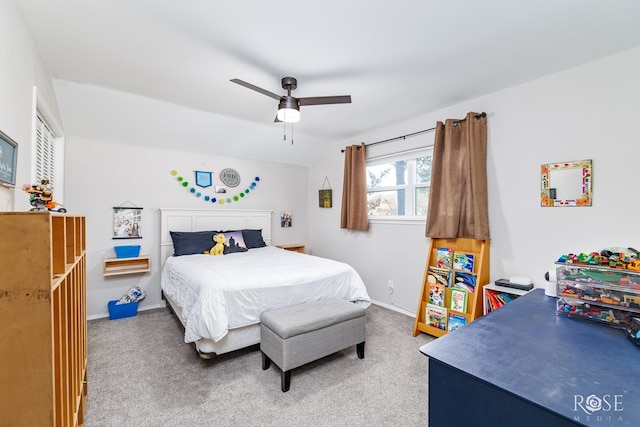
[{"x": 141, "y": 373}]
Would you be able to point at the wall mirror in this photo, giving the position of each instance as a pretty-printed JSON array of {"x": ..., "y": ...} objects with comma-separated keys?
[{"x": 566, "y": 183}]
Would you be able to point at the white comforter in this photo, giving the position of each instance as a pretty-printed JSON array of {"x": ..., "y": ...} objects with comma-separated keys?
[{"x": 218, "y": 293}]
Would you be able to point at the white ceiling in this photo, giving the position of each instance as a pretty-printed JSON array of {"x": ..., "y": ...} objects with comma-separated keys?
[{"x": 397, "y": 59}]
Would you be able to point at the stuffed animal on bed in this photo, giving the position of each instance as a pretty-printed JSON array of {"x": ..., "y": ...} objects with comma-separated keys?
[{"x": 218, "y": 248}]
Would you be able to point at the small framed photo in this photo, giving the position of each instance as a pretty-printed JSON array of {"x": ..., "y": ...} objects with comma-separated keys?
[
  {"x": 286, "y": 219},
  {"x": 126, "y": 223},
  {"x": 325, "y": 198},
  {"x": 8, "y": 157}
]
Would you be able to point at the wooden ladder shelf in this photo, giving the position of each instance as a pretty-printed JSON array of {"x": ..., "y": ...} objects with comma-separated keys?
[{"x": 479, "y": 250}]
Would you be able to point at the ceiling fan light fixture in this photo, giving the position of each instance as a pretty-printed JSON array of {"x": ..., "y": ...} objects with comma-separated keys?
[{"x": 288, "y": 110}]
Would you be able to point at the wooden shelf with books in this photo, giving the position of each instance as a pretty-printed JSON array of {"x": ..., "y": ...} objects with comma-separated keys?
[
  {"x": 452, "y": 287},
  {"x": 496, "y": 296}
]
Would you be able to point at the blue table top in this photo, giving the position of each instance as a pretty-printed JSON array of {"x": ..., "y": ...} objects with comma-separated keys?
[{"x": 585, "y": 371}]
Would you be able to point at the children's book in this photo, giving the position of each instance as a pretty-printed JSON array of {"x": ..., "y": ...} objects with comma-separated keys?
[
  {"x": 439, "y": 275},
  {"x": 436, "y": 293},
  {"x": 458, "y": 300},
  {"x": 466, "y": 281},
  {"x": 463, "y": 261},
  {"x": 436, "y": 316},
  {"x": 444, "y": 258},
  {"x": 455, "y": 321}
]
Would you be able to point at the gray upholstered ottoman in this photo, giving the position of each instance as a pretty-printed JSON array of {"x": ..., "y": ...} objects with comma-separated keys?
[{"x": 296, "y": 335}]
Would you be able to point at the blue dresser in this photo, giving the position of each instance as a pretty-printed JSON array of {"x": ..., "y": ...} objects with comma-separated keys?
[{"x": 524, "y": 366}]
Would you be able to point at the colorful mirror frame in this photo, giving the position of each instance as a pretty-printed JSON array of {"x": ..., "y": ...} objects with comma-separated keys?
[{"x": 549, "y": 190}]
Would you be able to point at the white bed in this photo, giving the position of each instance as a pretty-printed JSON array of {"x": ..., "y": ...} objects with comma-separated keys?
[{"x": 219, "y": 299}]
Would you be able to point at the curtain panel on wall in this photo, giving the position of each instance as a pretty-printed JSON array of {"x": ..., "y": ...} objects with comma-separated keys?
[
  {"x": 354, "y": 214},
  {"x": 458, "y": 201}
]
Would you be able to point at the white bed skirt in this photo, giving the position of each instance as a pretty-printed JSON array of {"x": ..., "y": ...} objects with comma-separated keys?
[{"x": 235, "y": 339}]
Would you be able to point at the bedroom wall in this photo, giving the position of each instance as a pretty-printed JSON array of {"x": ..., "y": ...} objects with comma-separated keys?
[
  {"x": 588, "y": 112},
  {"x": 103, "y": 175},
  {"x": 20, "y": 70}
]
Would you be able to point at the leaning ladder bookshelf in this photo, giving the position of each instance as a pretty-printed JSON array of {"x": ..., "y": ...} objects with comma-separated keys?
[{"x": 479, "y": 249}]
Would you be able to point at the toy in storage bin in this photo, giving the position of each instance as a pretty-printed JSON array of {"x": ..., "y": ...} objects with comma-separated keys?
[
  {"x": 119, "y": 311},
  {"x": 128, "y": 251},
  {"x": 127, "y": 305}
]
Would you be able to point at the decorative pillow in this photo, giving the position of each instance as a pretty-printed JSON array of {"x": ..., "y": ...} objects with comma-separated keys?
[
  {"x": 235, "y": 242},
  {"x": 253, "y": 239},
  {"x": 191, "y": 242}
]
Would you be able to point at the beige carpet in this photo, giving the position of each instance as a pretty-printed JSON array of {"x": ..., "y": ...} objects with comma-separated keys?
[{"x": 141, "y": 373}]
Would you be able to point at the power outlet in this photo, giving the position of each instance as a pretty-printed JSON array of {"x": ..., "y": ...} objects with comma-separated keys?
[{"x": 391, "y": 285}]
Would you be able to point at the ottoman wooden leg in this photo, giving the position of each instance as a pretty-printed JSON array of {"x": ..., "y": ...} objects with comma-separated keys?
[
  {"x": 285, "y": 380},
  {"x": 266, "y": 362},
  {"x": 360, "y": 350}
]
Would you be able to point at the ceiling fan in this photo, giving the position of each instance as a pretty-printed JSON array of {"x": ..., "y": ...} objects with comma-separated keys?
[{"x": 289, "y": 106}]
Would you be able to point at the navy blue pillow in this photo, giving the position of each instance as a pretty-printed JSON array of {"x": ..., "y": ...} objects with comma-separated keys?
[
  {"x": 253, "y": 239},
  {"x": 192, "y": 242}
]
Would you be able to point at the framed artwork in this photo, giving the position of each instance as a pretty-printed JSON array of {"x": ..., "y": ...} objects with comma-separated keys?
[
  {"x": 126, "y": 223},
  {"x": 8, "y": 157},
  {"x": 324, "y": 198},
  {"x": 286, "y": 219}
]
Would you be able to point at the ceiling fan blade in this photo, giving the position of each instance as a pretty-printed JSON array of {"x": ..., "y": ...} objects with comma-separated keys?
[
  {"x": 320, "y": 100},
  {"x": 256, "y": 88}
]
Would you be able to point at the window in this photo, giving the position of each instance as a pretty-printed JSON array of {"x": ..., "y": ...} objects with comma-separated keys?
[
  {"x": 47, "y": 161},
  {"x": 45, "y": 152},
  {"x": 398, "y": 185}
]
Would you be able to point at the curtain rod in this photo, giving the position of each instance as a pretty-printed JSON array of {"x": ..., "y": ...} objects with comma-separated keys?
[{"x": 477, "y": 116}]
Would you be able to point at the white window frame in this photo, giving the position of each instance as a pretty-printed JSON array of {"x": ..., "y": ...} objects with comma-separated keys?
[
  {"x": 410, "y": 156},
  {"x": 54, "y": 144}
]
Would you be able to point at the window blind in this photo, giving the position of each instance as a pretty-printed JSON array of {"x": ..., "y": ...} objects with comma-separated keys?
[{"x": 45, "y": 152}]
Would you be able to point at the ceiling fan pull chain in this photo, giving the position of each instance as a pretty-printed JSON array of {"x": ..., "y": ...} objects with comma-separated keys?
[{"x": 291, "y": 133}]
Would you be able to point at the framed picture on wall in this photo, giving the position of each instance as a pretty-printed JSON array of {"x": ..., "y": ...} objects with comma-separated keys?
[
  {"x": 126, "y": 223},
  {"x": 8, "y": 157},
  {"x": 325, "y": 198},
  {"x": 286, "y": 219}
]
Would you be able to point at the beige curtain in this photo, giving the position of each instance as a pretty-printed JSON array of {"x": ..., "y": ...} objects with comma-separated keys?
[
  {"x": 354, "y": 190},
  {"x": 458, "y": 201}
]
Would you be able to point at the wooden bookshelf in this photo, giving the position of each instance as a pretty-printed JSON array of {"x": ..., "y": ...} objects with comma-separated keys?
[
  {"x": 474, "y": 306},
  {"x": 43, "y": 313},
  {"x": 513, "y": 293}
]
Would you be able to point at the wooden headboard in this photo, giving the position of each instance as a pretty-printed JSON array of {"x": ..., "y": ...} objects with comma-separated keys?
[{"x": 207, "y": 219}]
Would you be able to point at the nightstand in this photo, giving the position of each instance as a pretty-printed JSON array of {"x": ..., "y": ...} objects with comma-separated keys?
[{"x": 295, "y": 247}]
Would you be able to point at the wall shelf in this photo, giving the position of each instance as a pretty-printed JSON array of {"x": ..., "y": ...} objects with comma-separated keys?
[{"x": 119, "y": 266}]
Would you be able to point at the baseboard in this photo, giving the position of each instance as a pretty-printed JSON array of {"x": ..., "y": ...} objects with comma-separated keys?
[
  {"x": 149, "y": 307},
  {"x": 164, "y": 305},
  {"x": 394, "y": 308}
]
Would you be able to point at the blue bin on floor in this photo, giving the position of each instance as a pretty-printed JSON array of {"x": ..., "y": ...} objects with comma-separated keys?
[
  {"x": 120, "y": 311},
  {"x": 129, "y": 251}
]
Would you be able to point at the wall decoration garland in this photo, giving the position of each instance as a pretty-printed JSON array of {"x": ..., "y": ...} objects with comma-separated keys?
[{"x": 215, "y": 199}]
